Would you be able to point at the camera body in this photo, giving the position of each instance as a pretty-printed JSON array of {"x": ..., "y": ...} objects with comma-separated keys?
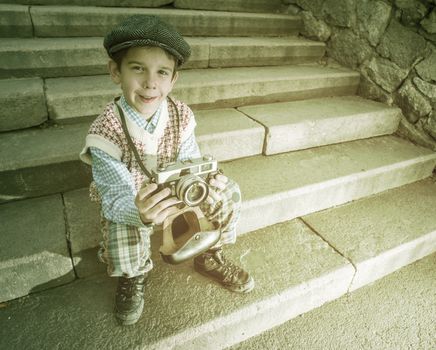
[{"x": 187, "y": 178}]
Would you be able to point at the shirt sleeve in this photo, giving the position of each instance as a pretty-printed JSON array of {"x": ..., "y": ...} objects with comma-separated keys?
[
  {"x": 189, "y": 148},
  {"x": 116, "y": 188}
]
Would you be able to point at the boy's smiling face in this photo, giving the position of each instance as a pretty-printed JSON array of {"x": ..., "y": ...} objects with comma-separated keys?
[{"x": 146, "y": 76}]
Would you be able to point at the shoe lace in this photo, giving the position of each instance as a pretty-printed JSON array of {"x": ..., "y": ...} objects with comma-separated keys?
[
  {"x": 229, "y": 270},
  {"x": 129, "y": 287}
]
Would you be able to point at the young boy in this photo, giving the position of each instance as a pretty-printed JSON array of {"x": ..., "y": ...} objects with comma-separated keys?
[{"x": 145, "y": 54}]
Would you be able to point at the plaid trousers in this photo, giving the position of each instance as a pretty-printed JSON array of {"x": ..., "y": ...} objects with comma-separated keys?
[{"x": 126, "y": 249}]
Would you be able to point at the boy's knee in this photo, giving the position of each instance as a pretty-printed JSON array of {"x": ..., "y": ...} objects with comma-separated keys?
[{"x": 232, "y": 193}]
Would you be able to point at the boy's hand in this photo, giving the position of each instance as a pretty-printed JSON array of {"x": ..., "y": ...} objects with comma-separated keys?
[
  {"x": 217, "y": 183},
  {"x": 155, "y": 207}
]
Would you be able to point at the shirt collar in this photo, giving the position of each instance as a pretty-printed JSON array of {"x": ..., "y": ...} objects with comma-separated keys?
[{"x": 149, "y": 125}]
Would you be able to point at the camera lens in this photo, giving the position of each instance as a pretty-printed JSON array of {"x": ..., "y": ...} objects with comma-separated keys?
[{"x": 192, "y": 190}]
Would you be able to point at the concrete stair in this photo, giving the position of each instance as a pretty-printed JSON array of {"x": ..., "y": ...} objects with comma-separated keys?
[
  {"x": 45, "y": 168},
  {"x": 332, "y": 200},
  {"x": 298, "y": 265},
  {"x": 78, "y": 97},
  {"x": 395, "y": 312},
  {"x": 262, "y": 6},
  {"x": 86, "y": 21},
  {"x": 54, "y": 57}
]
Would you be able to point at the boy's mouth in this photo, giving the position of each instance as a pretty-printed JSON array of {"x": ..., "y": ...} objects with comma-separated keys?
[{"x": 147, "y": 99}]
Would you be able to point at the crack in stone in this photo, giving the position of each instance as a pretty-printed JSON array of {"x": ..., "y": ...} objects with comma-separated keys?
[{"x": 335, "y": 249}]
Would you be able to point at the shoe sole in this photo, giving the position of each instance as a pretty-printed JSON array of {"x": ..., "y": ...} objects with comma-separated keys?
[
  {"x": 131, "y": 318},
  {"x": 244, "y": 288}
]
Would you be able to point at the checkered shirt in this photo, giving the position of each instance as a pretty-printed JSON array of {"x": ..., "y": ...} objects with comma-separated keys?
[{"x": 114, "y": 181}]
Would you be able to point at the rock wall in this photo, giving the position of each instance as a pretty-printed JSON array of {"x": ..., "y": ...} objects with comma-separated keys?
[{"x": 392, "y": 43}]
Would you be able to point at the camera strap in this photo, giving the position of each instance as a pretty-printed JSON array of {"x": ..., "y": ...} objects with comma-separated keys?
[
  {"x": 129, "y": 139},
  {"x": 130, "y": 142}
]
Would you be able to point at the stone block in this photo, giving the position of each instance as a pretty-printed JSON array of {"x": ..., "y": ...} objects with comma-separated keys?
[
  {"x": 84, "y": 235},
  {"x": 372, "y": 19},
  {"x": 413, "y": 104},
  {"x": 103, "y": 3},
  {"x": 416, "y": 133},
  {"x": 48, "y": 163},
  {"x": 313, "y": 28},
  {"x": 314, "y": 6},
  {"x": 308, "y": 182},
  {"x": 401, "y": 45},
  {"x": 429, "y": 23},
  {"x": 245, "y": 52},
  {"x": 23, "y": 103},
  {"x": 41, "y": 57},
  {"x": 56, "y": 57},
  {"x": 252, "y": 85},
  {"x": 393, "y": 313},
  {"x": 15, "y": 21},
  {"x": 34, "y": 254},
  {"x": 425, "y": 88},
  {"x": 230, "y": 5},
  {"x": 430, "y": 125},
  {"x": 228, "y": 134},
  {"x": 341, "y": 14},
  {"x": 69, "y": 98},
  {"x": 370, "y": 90},
  {"x": 291, "y": 278},
  {"x": 316, "y": 122},
  {"x": 426, "y": 69},
  {"x": 385, "y": 73},
  {"x": 412, "y": 11},
  {"x": 382, "y": 233},
  {"x": 78, "y": 97},
  {"x": 348, "y": 48},
  {"x": 60, "y": 21}
]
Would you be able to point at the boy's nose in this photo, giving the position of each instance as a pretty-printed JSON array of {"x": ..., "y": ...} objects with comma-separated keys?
[{"x": 149, "y": 82}]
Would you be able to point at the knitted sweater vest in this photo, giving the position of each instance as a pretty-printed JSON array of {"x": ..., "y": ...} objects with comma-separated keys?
[{"x": 175, "y": 125}]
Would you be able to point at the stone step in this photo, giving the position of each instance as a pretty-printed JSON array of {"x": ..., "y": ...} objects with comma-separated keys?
[
  {"x": 231, "y": 5},
  {"x": 34, "y": 254},
  {"x": 62, "y": 57},
  {"x": 69, "y": 21},
  {"x": 397, "y": 312},
  {"x": 283, "y": 187},
  {"x": 71, "y": 98},
  {"x": 45, "y": 167},
  {"x": 104, "y": 3},
  {"x": 49, "y": 161},
  {"x": 223, "y": 5},
  {"x": 23, "y": 102},
  {"x": 15, "y": 21},
  {"x": 311, "y": 123},
  {"x": 311, "y": 269}
]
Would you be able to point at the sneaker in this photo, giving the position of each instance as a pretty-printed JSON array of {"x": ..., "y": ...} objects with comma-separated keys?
[
  {"x": 214, "y": 265},
  {"x": 129, "y": 299}
]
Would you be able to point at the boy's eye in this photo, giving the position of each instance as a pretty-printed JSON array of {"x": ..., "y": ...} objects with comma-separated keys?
[
  {"x": 137, "y": 68},
  {"x": 164, "y": 72}
]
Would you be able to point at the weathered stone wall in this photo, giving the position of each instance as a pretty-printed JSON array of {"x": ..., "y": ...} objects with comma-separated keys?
[{"x": 393, "y": 45}]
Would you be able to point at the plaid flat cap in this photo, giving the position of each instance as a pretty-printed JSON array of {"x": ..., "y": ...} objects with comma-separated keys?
[{"x": 144, "y": 30}]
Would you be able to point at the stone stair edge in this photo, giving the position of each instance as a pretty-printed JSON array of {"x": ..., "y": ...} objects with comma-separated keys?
[
  {"x": 82, "y": 20},
  {"x": 332, "y": 276},
  {"x": 256, "y": 6},
  {"x": 48, "y": 94},
  {"x": 63, "y": 174},
  {"x": 191, "y": 88},
  {"x": 204, "y": 118},
  {"x": 62, "y": 57},
  {"x": 32, "y": 21},
  {"x": 264, "y": 314}
]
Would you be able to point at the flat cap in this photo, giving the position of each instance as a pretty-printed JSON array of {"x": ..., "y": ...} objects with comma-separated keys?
[{"x": 145, "y": 30}]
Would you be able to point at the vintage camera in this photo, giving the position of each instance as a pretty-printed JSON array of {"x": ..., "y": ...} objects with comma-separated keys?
[{"x": 186, "y": 179}]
